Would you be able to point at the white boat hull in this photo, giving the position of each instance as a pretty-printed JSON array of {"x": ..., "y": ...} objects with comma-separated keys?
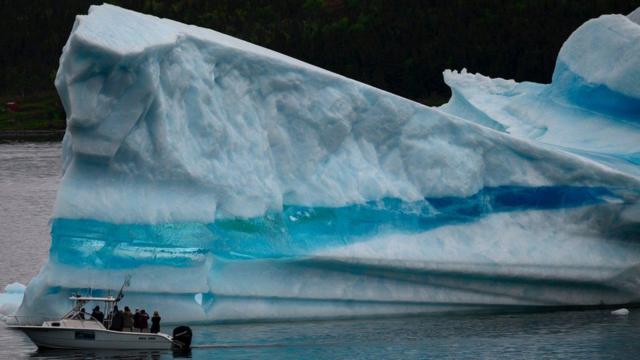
[{"x": 79, "y": 338}]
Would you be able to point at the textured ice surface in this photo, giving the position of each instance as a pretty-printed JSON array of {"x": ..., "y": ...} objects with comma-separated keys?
[
  {"x": 591, "y": 108},
  {"x": 235, "y": 183}
]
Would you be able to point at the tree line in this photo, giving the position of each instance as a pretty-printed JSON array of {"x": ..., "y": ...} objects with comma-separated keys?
[{"x": 401, "y": 46}]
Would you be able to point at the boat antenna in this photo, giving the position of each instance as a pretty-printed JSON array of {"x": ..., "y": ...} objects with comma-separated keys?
[{"x": 127, "y": 281}]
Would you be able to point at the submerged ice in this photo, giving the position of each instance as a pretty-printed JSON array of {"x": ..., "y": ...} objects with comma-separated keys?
[{"x": 235, "y": 183}]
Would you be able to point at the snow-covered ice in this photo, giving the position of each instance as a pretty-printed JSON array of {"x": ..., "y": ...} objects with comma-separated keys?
[{"x": 236, "y": 183}]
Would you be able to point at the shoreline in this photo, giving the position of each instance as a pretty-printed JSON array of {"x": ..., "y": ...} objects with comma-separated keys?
[{"x": 31, "y": 135}]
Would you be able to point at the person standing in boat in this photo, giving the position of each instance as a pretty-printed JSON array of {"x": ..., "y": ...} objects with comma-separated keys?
[
  {"x": 136, "y": 321},
  {"x": 155, "y": 322},
  {"x": 127, "y": 320},
  {"x": 144, "y": 321},
  {"x": 97, "y": 314},
  {"x": 116, "y": 320}
]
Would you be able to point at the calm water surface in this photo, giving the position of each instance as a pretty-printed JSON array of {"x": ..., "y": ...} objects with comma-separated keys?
[
  {"x": 28, "y": 181},
  {"x": 29, "y": 176}
]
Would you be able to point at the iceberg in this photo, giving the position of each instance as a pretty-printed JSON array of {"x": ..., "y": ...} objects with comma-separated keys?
[
  {"x": 234, "y": 183},
  {"x": 10, "y": 299}
]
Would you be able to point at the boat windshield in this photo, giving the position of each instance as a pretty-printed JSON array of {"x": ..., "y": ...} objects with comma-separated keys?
[
  {"x": 80, "y": 301},
  {"x": 109, "y": 303}
]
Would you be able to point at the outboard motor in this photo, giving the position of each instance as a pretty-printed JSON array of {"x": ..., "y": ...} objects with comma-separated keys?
[{"x": 182, "y": 337}]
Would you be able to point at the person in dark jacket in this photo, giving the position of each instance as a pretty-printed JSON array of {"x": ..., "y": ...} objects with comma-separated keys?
[
  {"x": 116, "y": 320},
  {"x": 155, "y": 322},
  {"x": 136, "y": 321},
  {"x": 97, "y": 314},
  {"x": 144, "y": 321}
]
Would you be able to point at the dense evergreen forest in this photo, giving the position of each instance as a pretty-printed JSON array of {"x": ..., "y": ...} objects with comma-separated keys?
[{"x": 400, "y": 46}]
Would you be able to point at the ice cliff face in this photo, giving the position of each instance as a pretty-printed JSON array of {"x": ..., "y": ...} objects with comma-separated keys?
[{"x": 235, "y": 183}]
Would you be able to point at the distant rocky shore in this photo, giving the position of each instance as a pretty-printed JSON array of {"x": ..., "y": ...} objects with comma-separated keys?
[{"x": 31, "y": 135}]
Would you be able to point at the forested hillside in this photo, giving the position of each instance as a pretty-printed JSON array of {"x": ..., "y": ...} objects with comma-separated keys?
[{"x": 399, "y": 46}]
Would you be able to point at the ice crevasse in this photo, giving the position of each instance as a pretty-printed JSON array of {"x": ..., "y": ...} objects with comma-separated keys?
[{"x": 234, "y": 183}]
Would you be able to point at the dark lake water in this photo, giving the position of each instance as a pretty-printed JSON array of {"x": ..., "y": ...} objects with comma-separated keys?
[{"x": 28, "y": 181}]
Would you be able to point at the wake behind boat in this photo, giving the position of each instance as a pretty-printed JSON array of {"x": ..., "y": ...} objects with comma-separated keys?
[{"x": 72, "y": 331}]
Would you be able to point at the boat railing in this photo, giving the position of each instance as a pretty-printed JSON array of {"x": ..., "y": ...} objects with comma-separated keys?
[{"x": 26, "y": 320}]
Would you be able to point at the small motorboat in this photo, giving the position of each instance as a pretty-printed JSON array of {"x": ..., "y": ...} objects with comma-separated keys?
[{"x": 73, "y": 331}]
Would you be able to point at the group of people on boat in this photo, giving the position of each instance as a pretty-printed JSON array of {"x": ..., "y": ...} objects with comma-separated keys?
[{"x": 125, "y": 320}]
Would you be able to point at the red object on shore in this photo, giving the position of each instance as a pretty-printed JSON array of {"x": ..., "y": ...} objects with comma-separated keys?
[{"x": 12, "y": 106}]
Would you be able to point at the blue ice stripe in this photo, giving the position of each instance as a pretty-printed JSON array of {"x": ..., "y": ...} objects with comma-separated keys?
[
  {"x": 297, "y": 231},
  {"x": 596, "y": 97}
]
